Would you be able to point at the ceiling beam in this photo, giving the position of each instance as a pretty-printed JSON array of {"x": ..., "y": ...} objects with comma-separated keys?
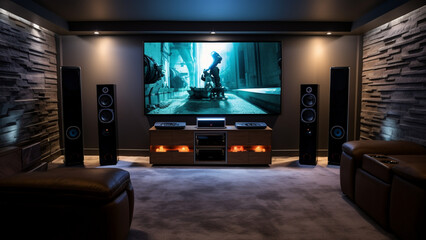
[{"x": 207, "y": 27}]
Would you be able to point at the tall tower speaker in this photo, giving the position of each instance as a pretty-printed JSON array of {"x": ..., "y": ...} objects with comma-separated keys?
[
  {"x": 72, "y": 119},
  {"x": 338, "y": 120},
  {"x": 107, "y": 124},
  {"x": 308, "y": 124}
]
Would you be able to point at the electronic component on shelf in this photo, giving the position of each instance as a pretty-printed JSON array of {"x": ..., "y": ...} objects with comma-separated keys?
[
  {"x": 170, "y": 125},
  {"x": 248, "y": 125},
  {"x": 218, "y": 122}
]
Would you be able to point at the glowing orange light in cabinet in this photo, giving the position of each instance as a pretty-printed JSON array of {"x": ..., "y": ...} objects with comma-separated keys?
[
  {"x": 237, "y": 149},
  {"x": 160, "y": 149},
  {"x": 259, "y": 149},
  {"x": 183, "y": 149}
]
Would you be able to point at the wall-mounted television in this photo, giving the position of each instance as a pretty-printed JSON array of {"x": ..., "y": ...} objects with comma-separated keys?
[{"x": 212, "y": 78}]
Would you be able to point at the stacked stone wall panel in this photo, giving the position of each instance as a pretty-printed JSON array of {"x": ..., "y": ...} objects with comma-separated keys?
[
  {"x": 28, "y": 85},
  {"x": 393, "y": 103}
]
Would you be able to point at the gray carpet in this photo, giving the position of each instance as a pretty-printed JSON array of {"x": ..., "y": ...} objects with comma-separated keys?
[{"x": 283, "y": 201}]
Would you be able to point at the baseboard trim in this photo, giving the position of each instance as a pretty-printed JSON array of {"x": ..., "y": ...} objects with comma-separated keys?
[
  {"x": 145, "y": 152},
  {"x": 52, "y": 156},
  {"x": 295, "y": 152},
  {"x": 120, "y": 152}
]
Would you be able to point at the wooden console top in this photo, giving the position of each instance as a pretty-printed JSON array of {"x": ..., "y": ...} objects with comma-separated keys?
[{"x": 195, "y": 128}]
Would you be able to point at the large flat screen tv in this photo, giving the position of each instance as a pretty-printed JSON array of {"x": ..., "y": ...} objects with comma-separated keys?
[{"x": 212, "y": 78}]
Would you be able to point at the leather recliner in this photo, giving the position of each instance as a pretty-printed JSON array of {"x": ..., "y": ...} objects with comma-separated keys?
[
  {"x": 353, "y": 151},
  {"x": 67, "y": 203}
]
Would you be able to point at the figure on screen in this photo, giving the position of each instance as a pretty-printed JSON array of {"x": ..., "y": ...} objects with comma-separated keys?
[{"x": 212, "y": 74}]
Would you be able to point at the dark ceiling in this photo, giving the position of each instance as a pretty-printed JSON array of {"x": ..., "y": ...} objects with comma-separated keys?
[
  {"x": 203, "y": 16},
  {"x": 210, "y": 10}
]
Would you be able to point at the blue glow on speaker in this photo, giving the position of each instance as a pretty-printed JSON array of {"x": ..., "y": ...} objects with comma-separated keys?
[{"x": 337, "y": 132}]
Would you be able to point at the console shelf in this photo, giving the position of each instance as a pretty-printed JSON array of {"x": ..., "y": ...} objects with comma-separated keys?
[{"x": 239, "y": 146}]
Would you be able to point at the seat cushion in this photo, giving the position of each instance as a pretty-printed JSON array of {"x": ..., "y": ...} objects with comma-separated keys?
[
  {"x": 379, "y": 166},
  {"x": 411, "y": 168},
  {"x": 67, "y": 184}
]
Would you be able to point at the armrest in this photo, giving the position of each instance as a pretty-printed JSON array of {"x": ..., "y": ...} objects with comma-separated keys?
[{"x": 357, "y": 149}]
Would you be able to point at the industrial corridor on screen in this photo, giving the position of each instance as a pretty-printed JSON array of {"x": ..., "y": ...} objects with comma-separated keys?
[{"x": 206, "y": 78}]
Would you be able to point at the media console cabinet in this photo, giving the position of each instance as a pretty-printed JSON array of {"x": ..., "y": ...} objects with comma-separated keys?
[{"x": 194, "y": 146}]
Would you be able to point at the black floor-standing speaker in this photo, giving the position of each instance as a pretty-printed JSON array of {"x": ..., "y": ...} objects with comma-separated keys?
[
  {"x": 107, "y": 124},
  {"x": 308, "y": 124},
  {"x": 338, "y": 118},
  {"x": 72, "y": 115}
]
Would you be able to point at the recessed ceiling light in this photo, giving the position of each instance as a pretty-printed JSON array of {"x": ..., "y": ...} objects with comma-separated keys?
[
  {"x": 328, "y": 33},
  {"x": 212, "y": 32},
  {"x": 96, "y": 32}
]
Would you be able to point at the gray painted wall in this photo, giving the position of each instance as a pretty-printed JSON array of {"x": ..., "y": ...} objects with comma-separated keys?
[{"x": 118, "y": 60}]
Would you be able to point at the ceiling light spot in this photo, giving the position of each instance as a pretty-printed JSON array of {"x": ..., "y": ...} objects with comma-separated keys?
[
  {"x": 96, "y": 32},
  {"x": 328, "y": 33},
  {"x": 212, "y": 32}
]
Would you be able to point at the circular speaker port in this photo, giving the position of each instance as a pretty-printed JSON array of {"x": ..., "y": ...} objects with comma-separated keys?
[
  {"x": 73, "y": 132},
  {"x": 308, "y": 115},
  {"x": 337, "y": 132},
  {"x": 309, "y": 100},
  {"x": 105, "y": 100},
  {"x": 105, "y": 90},
  {"x": 106, "y": 116}
]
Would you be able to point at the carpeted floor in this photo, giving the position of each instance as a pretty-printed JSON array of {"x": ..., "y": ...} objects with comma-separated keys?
[{"x": 282, "y": 201}]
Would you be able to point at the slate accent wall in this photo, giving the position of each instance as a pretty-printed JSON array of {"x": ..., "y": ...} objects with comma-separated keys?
[
  {"x": 28, "y": 85},
  {"x": 394, "y": 80}
]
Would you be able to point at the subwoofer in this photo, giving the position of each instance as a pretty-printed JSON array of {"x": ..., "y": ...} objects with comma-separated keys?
[
  {"x": 308, "y": 124},
  {"x": 338, "y": 118},
  {"x": 72, "y": 115},
  {"x": 107, "y": 124}
]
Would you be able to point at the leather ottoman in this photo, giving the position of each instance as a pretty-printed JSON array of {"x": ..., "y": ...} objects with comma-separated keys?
[{"x": 67, "y": 203}]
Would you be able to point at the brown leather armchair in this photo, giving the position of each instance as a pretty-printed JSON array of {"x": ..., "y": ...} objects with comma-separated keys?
[
  {"x": 67, "y": 203},
  {"x": 353, "y": 151}
]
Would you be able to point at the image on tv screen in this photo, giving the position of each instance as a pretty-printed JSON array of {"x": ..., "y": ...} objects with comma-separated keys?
[{"x": 212, "y": 78}]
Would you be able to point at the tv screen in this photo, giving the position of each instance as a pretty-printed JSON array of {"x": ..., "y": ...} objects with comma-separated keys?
[{"x": 212, "y": 78}]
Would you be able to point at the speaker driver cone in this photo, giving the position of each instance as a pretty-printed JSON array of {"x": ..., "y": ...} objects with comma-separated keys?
[
  {"x": 309, "y": 100},
  {"x": 337, "y": 132},
  {"x": 106, "y": 115},
  {"x": 105, "y": 100},
  {"x": 73, "y": 132},
  {"x": 308, "y": 115}
]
